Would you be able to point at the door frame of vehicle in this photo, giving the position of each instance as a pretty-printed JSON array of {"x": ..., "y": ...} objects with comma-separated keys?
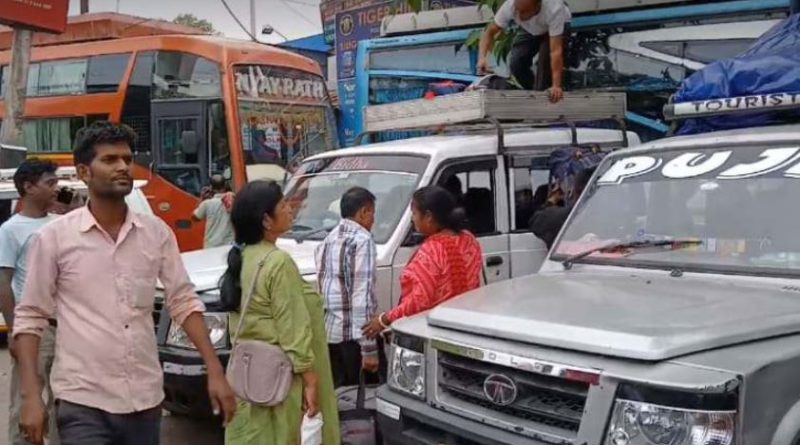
[{"x": 493, "y": 245}]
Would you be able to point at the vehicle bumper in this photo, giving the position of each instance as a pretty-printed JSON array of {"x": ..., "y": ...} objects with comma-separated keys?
[
  {"x": 407, "y": 421},
  {"x": 185, "y": 388}
]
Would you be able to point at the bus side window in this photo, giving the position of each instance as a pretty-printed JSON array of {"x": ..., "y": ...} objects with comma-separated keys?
[
  {"x": 104, "y": 74},
  {"x": 220, "y": 158},
  {"x": 136, "y": 110}
]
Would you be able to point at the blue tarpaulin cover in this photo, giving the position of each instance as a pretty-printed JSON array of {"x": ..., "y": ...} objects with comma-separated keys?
[{"x": 771, "y": 65}]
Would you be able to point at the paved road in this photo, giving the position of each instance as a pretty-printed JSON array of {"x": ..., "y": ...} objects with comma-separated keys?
[{"x": 174, "y": 431}]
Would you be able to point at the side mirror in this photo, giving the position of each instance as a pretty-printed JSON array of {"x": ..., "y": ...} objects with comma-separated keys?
[
  {"x": 189, "y": 142},
  {"x": 413, "y": 239}
]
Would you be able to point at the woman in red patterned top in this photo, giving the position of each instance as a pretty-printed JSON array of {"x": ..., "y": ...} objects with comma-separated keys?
[{"x": 448, "y": 263}]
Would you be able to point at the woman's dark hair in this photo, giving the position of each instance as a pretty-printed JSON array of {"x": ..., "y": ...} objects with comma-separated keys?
[
  {"x": 442, "y": 206},
  {"x": 255, "y": 200}
]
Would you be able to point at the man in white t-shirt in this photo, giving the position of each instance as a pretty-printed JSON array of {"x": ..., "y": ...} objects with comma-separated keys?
[
  {"x": 544, "y": 30},
  {"x": 37, "y": 185},
  {"x": 216, "y": 212}
]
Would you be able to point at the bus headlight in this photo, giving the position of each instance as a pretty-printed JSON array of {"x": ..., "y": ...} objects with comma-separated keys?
[
  {"x": 217, "y": 323},
  {"x": 639, "y": 423},
  {"x": 407, "y": 367}
]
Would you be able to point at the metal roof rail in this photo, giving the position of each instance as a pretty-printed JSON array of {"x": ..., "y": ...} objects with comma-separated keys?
[
  {"x": 62, "y": 173},
  {"x": 501, "y": 108},
  {"x": 757, "y": 103}
]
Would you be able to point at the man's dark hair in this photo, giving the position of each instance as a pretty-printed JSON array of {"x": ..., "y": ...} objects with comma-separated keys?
[
  {"x": 354, "y": 200},
  {"x": 32, "y": 170},
  {"x": 100, "y": 132}
]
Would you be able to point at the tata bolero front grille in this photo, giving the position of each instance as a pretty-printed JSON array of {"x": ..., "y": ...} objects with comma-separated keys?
[{"x": 537, "y": 401}]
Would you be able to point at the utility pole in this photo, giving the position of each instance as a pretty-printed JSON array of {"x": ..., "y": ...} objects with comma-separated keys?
[
  {"x": 84, "y": 6},
  {"x": 253, "y": 19},
  {"x": 11, "y": 131}
]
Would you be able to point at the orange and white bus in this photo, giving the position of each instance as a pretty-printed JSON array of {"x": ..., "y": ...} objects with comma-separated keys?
[{"x": 200, "y": 105}]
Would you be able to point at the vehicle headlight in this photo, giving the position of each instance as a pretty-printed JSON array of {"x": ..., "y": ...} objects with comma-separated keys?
[
  {"x": 407, "y": 369},
  {"x": 217, "y": 323},
  {"x": 639, "y": 423}
]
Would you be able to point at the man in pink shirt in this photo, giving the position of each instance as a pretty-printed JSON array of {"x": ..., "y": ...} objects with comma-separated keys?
[{"x": 95, "y": 273}]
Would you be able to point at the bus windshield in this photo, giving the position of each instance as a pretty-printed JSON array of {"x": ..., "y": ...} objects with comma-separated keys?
[{"x": 285, "y": 115}]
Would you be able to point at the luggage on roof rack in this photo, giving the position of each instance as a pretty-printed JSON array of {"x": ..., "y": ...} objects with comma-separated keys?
[
  {"x": 756, "y": 88},
  {"x": 500, "y": 106}
]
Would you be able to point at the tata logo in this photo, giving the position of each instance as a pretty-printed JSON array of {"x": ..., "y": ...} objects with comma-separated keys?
[
  {"x": 500, "y": 389},
  {"x": 346, "y": 26}
]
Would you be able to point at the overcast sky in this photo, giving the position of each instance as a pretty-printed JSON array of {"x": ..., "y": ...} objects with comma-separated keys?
[{"x": 293, "y": 18}]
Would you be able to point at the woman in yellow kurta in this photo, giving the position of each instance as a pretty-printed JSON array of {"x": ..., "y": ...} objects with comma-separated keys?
[{"x": 284, "y": 311}]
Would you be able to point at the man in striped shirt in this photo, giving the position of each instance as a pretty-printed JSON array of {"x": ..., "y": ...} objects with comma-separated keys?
[{"x": 346, "y": 265}]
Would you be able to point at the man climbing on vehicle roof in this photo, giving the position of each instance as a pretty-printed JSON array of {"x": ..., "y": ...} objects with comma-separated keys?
[{"x": 544, "y": 30}]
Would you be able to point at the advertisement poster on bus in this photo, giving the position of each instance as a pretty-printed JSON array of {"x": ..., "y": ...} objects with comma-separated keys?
[
  {"x": 356, "y": 25},
  {"x": 328, "y": 10},
  {"x": 351, "y": 27},
  {"x": 347, "y": 104}
]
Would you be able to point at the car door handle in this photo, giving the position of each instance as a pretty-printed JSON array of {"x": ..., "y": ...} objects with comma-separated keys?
[{"x": 493, "y": 261}]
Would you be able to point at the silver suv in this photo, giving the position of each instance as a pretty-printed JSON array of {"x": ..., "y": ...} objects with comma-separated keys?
[{"x": 667, "y": 313}]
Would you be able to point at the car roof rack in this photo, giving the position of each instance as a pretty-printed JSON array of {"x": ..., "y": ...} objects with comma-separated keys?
[
  {"x": 757, "y": 103},
  {"x": 501, "y": 108},
  {"x": 67, "y": 173}
]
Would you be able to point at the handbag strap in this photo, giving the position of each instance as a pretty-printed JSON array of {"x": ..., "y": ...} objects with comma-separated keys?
[{"x": 249, "y": 295}]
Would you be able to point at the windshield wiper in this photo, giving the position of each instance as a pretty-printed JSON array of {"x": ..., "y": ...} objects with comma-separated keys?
[{"x": 675, "y": 243}]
